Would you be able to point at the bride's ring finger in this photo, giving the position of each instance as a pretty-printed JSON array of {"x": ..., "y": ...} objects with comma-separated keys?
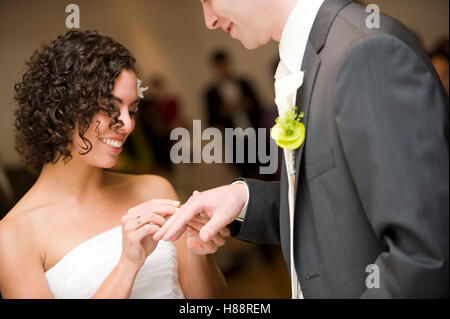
[
  {"x": 152, "y": 219},
  {"x": 139, "y": 221}
]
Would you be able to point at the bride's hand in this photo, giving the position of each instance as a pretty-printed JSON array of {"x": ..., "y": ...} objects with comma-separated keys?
[
  {"x": 138, "y": 227},
  {"x": 199, "y": 247}
]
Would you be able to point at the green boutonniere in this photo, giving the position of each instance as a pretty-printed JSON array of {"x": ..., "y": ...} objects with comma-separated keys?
[{"x": 289, "y": 132}]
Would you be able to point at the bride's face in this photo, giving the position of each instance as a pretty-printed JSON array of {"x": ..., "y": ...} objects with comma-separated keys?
[{"x": 107, "y": 143}]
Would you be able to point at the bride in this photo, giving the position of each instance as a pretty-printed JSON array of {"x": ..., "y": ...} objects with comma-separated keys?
[{"x": 81, "y": 231}]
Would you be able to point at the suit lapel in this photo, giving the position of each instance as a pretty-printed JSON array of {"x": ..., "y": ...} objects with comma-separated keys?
[
  {"x": 311, "y": 63},
  {"x": 310, "y": 66}
]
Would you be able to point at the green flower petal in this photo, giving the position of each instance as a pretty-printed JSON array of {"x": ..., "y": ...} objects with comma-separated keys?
[
  {"x": 289, "y": 132},
  {"x": 292, "y": 141}
]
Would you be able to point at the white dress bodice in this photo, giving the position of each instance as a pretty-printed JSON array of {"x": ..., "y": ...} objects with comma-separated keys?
[{"x": 81, "y": 271}]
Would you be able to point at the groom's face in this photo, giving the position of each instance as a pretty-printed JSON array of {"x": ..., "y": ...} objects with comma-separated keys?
[{"x": 245, "y": 20}]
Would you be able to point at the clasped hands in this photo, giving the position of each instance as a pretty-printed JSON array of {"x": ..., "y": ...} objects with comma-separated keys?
[{"x": 204, "y": 217}]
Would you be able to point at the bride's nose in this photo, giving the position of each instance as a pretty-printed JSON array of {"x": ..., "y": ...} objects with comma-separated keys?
[{"x": 127, "y": 123}]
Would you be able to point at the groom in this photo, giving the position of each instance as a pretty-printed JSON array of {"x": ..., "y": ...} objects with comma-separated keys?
[{"x": 370, "y": 202}]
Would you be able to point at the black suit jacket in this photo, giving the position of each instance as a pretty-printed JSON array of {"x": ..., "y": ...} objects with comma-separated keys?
[{"x": 373, "y": 178}]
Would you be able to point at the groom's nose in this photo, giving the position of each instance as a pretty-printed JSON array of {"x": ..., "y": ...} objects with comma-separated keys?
[{"x": 211, "y": 20}]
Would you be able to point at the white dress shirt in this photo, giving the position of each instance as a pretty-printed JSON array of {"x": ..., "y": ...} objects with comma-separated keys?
[{"x": 288, "y": 79}]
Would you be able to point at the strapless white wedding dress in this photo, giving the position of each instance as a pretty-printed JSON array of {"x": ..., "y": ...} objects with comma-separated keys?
[{"x": 81, "y": 272}]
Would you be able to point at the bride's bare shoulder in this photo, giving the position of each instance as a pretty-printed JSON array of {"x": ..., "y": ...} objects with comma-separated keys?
[
  {"x": 32, "y": 213},
  {"x": 146, "y": 186},
  {"x": 18, "y": 227},
  {"x": 13, "y": 220},
  {"x": 23, "y": 217}
]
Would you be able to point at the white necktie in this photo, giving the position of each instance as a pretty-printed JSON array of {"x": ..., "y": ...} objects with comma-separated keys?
[{"x": 286, "y": 86}]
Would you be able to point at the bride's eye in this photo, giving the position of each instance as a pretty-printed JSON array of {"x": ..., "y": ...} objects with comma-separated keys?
[{"x": 133, "y": 111}]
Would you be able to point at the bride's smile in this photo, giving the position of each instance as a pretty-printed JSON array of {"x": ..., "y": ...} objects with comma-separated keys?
[{"x": 115, "y": 143}]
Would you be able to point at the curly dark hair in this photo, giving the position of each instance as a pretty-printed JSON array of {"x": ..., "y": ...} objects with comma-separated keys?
[{"x": 66, "y": 82}]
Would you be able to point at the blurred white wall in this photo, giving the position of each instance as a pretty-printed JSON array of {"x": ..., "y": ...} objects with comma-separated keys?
[
  {"x": 426, "y": 18},
  {"x": 166, "y": 36}
]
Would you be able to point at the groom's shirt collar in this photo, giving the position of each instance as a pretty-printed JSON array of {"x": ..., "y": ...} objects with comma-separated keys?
[{"x": 295, "y": 36}]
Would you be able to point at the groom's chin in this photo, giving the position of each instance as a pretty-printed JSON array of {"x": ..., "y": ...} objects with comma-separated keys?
[{"x": 252, "y": 45}]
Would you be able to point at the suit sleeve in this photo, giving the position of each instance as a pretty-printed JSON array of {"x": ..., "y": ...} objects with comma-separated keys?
[
  {"x": 392, "y": 118},
  {"x": 261, "y": 224}
]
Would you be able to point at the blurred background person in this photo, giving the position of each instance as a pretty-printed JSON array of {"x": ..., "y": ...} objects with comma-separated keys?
[
  {"x": 440, "y": 59},
  {"x": 15, "y": 181},
  {"x": 231, "y": 102},
  {"x": 6, "y": 192}
]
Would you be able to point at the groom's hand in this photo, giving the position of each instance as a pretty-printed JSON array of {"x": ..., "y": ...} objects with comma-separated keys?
[
  {"x": 198, "y": 246},
  {"x": 221, "y": 205}
]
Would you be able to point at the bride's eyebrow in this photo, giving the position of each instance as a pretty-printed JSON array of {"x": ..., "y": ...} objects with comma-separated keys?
[
  {"x": 121, "y": 102},
  {"x": 136, "y": 101},
  {"x": 117, "y": 99}
]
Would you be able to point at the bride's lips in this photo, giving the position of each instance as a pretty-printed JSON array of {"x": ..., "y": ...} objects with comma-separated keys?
[{"x": 114, "y": 145}]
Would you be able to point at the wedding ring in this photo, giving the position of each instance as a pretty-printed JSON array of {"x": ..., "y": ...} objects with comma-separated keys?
[{"x": 138, "y": 220}]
